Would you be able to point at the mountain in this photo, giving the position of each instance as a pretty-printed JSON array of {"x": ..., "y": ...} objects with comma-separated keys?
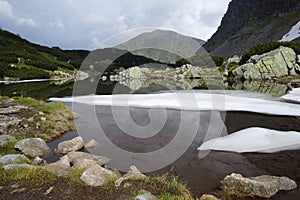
[
  {"x": 247, "y": 23},
  {"x": 25, "y": 60},
  {"x": 163, "y": 45}
]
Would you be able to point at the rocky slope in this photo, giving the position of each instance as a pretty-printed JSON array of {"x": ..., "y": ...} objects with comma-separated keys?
[{"x": 247, "y": 23}]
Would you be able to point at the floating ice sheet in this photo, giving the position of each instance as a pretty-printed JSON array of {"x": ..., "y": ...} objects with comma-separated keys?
[
  {"x": 255, "y": 140},
  {"x": 191, "y": 101},
  {"x": 292, "y": 96}
]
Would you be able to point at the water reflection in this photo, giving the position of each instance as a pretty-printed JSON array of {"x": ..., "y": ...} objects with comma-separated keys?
[
  {"x": 268, "y": 87},
  {"x": 47, "y": 89}
]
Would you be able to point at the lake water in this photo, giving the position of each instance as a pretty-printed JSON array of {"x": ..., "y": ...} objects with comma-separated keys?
[{"x": 148, "y": 134}]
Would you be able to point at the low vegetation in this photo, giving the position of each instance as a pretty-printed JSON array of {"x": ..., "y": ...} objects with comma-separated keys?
[
  {"x": 20, "y": 57},
  {"x": 41, "y": 119},
  {"x": 265, "y": 47},
  {"x": 40, "y": 184}
]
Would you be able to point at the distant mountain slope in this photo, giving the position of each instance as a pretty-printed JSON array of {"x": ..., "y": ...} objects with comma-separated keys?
[
  {"x": 247, "y": 23},
  {"x": 23, "y": 59},
  {"x": 164, "y": 40}
]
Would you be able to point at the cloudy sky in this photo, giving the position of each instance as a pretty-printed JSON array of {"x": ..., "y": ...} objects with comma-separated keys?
[{"x": 77, "y": 24}]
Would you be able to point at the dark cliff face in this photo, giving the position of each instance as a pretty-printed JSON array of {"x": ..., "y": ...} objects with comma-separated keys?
[{"x": 248, "y": 22}]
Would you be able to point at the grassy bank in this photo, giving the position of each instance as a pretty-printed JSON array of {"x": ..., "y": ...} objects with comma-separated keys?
[
  {"x": 40, "y": 184},
  {"x": 37, "y": 118}
]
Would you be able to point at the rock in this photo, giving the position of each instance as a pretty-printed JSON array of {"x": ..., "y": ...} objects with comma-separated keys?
[
  {"x": 298, "y": 59},
  {"x": 18, "y": 190},
  {"x": 146, "y": 196},
  {"x": 58, "y": 169},
  {"x": 133, "y": 173},
  {"x": 91, "y": 144},
  {"x": 208, "y": 197},
  {"x": 12, "y": 109},
  {"x": 97, "y": 176},
  {"x": 12, "y": 158},
  {"x": 277, "y": 63},
  {"x": 263, "y": 186},
  {"x": 18, "y": 166},
  {"x": 64, "y": 160},
  {"x": 33, "y": 147},
  {"x": 39, "y": 161},
  {"x": 6, "y": 139},
  {"x": 235, "y": 59},
  {"x": 84, "y": 163},
  {"x": 75, "y": 157},
  {"x": 70, "y": 145}
]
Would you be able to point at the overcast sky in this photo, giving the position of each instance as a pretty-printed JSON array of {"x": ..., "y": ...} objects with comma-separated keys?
[{"x": 77, "y": 24}]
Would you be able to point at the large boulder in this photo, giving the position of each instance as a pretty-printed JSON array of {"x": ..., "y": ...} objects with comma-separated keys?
[
  {"x": 97, "y": 176},
  {"x": 70, "y": 145},
  {"x": 277, "y": 63},
  {"x": 33, "y": 147},
  {"x": 12, "y": 158},
  {"x": 263, "y": 186},
  {"x": 6, "y": 139}
]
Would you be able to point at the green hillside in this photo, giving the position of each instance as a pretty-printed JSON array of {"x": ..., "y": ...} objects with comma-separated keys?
[{"x": 25, "y": 60}]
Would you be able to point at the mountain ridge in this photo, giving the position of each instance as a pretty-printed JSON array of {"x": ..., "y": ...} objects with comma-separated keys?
[{"x": 247, "y": 23}]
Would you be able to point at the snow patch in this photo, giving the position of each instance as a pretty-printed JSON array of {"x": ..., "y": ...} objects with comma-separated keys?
[
  {"x": 292, "y": 34},
  {"x": 292, "y": 96},
  {"x": 255, "y": 139},
  {"x": 190, "y": 101}
]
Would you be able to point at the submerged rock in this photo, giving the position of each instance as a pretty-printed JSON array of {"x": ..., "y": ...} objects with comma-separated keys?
[
  {"x": 12, "y": 158},
  {"x": 70, "y": 145},
  {"x": 146, "y": 196},
  {"x": 97, "y": 176},
  {"x": 33, "y": 147},
  {"x": 263, "y": 186},
  {"x": 91, "y": 144},
  {"x": 6, "y": 139}
]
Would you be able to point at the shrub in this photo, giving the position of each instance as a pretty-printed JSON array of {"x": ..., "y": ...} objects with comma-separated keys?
[
  {"x": 265, "y": 47},
  {"x": 181, "y": 62},
  {"x": 218, "y": 60}
]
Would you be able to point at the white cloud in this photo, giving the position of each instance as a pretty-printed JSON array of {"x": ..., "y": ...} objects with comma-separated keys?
[
  {"x": 27, "y": 22},
  {"x": 6, "y": 9}
]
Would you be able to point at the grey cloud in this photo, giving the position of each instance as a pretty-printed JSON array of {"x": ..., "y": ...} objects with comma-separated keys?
[{"x": 81, "y": 24}]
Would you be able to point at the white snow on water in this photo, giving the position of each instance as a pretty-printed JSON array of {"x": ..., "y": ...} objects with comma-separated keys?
[
  {"x": 292, "y": 96},
  {"x": 255, "y": 140},
  {"x": 293, "y": 33},
  {"x": 190, "y": 101},
  {"x": 27, "y": 81}
]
